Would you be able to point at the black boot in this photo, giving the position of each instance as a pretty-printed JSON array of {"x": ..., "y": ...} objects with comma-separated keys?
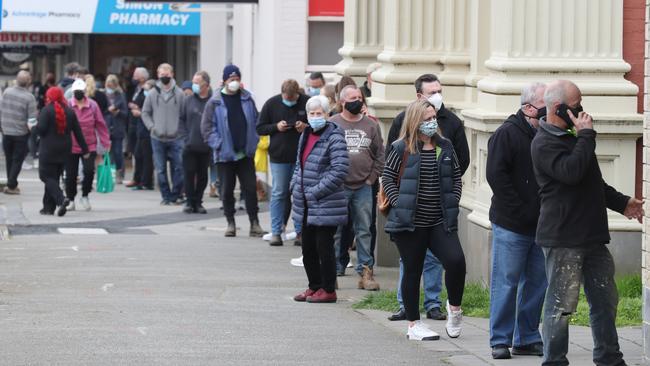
[
  {"x": 232, "y": 229},
  {"x": 256, "y": 230}
]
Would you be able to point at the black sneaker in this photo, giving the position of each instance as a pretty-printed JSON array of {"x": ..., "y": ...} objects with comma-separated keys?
[
  {"x": 500, "y": 352},
  {"x": 63, "y": 208},
  {"x": 436, "y": 314},
  {"x": 533, "y": 349},
  {"x": 200, "y": 209},
  {"x": 188, "y": 209},
  {"x": 46, "y": 212},
  {"x": 399, "y": 315}
]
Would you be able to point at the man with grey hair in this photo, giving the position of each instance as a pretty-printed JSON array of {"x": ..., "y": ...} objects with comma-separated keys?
[
  {"x": 573, "y": 229},
  {"x": 366, "y": 155},
  {"x": 143, "y": 171},
  {"x": 18, "y": 108},
  {"x": 518, "y": 282}
]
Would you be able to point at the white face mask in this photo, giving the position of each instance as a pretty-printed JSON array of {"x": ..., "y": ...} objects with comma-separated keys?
[
  {"x": 436, "y": 101},
  {"x": 233, "y": 86}
]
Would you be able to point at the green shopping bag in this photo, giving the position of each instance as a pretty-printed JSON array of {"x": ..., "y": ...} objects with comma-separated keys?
[{"x": 105, "y": 180}]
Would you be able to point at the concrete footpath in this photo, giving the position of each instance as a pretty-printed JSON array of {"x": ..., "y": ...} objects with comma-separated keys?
[{"x": 135, "y": 283}]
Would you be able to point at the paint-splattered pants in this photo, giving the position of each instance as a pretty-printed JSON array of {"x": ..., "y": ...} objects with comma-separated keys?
[{"x": 566, "y": 268}]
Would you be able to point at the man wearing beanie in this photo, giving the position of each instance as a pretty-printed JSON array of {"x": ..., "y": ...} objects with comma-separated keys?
[
  {"x": 228, "y": 126},
  {"x": 160, "y": 114}
]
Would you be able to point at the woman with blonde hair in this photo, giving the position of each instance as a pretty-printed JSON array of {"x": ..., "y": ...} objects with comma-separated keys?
[
  {"x": 95, "y": 94},
  {"x": 116, "y": 119},
  {"x": 422, "y": 181}
]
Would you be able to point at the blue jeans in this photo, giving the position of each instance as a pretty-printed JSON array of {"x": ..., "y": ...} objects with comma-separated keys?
[
  {"x": 432, "y": 277},
  {"x": 360, "y": 211},
  {"x": 280, "y": 196},
  {"x": 117, "y": 153},
  {"x": 517, "y": 289},
  {"x": 566, "y": 268},
  {"x": 164, "y": 151}
]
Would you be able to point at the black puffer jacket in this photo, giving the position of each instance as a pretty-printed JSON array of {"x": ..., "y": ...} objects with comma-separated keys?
[{"x": 515, "y": 199}]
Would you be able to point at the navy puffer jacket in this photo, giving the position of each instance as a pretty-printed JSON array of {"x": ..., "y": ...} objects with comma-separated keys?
[{"x": 319, "y": 184}]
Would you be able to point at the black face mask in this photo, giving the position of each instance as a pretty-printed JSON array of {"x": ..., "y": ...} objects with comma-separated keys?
[
  {"x": 354, "y": 107},
  {"x": 165, "y": 79},
  {"x": 562, "y": 113},
  {"x": 541, "y": 112},
  {"x": 79, "y": 95}
]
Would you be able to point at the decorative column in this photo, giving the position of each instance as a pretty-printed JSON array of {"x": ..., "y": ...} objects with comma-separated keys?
[
  {"x": 479, "y": 47},
  {"x": 362, "y": 37},
  {"x": 456, "y": 54},
  {"x": 413, "y": 45},
  {"x": 533, "y": 41}
]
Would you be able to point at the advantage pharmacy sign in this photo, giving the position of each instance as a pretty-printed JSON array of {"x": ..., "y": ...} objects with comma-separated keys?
[{"x": 97, "y": 16}]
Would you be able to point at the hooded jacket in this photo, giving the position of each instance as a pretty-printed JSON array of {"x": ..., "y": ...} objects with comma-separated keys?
[
  {"x": 216, "y": 131},
  {"x": 574, "y": 197},
  {"x": 515, "y": 199},
  {"x": 161, "y": 111}
]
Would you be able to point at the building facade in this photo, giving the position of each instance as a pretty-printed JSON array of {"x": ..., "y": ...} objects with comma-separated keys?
[{"x": 484, "y": 52}]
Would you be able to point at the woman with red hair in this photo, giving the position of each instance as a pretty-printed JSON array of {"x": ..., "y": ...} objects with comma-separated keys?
[{"x": 55, "y": 124}]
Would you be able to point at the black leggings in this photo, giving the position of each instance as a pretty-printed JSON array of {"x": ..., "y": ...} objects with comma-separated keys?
[
  {"x": 446, "y": 247},
  {"x": 318, "y": 256}
]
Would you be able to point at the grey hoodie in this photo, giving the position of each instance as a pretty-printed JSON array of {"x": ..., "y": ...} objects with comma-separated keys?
[{"x": 161, "y": 111}]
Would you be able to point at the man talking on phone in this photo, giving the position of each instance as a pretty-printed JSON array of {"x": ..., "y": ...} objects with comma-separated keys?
[
  {"x": 573, "y": 229},
  {"x": 283, "y": 117}
]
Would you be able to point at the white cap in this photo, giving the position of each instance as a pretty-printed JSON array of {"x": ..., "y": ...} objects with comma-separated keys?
[{"x": 79, "y": 85}]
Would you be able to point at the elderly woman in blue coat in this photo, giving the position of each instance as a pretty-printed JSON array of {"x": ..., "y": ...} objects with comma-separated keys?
[{"x": 318, "y": 198}]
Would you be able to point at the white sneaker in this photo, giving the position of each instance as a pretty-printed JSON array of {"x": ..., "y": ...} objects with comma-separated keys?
[
  {"x": 297, "y": 262},
  {"x": 454, "y": 322},
  {"x": 27, "y": 166},
  {"x": 420, "y": 332},
  {"x": 35, "y": 164},
  {"x": 267, "y": 236},
  {"x": 350, "y": 265},
  {"x": 85, "y": 203},
  {"x": 71, "y": 206}
]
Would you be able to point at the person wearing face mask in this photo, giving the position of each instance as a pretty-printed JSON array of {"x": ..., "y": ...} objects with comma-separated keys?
[
  {"x": 428, "y": 87},
  {"x": 518, "y": 280},
  {"x": 423, "y": 174},
  {"x": 319, "y": 200},
  {"x": 366, "y": 153},
  {"x": 228, "y": 127},
  {"x": 160, "y": 115},
  {"x": 196, "y": 153},
  {"x": 143, "y": 171},
  {"x": 283, "y": 118},
  {"x": 315, "y": 83},
  {"x": 572, "y": 229},
  {"x": 93, "y": 127},
  {"x": 116, "y": 121}
]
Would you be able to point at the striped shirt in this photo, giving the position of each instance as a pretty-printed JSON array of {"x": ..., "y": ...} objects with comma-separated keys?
[
  {"x": 428, "y": 212},
  {"x": 17, "y": 108}
]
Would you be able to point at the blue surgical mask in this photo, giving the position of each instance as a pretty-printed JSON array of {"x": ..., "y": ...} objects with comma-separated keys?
[
  {"x": 110, "y": 91},
  {"x": 429, "y": 128},
  {"x": 313, "y": 91},
  {"x": 196, "y": 88},
  {"x": 289, "y": 103},
  {"x": 146, "y": 93},
  {"x": 317, "y": 123}
]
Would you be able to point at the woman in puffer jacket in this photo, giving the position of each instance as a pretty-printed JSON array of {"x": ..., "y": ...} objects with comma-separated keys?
[{"x": 318, "y": 199}]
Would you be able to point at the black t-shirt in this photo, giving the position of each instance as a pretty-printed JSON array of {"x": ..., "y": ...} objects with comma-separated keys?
[{"x": 236, "y": 120}]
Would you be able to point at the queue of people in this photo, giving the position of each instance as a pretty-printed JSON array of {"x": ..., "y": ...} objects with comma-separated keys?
[{"x": 329, "y": 164}]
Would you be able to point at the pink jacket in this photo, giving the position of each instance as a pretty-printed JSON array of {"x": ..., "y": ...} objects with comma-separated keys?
[{"x": 92, "y": 126}]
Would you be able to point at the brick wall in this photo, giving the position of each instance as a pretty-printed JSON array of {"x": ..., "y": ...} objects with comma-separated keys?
[{"x": 646, "y": 189}]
